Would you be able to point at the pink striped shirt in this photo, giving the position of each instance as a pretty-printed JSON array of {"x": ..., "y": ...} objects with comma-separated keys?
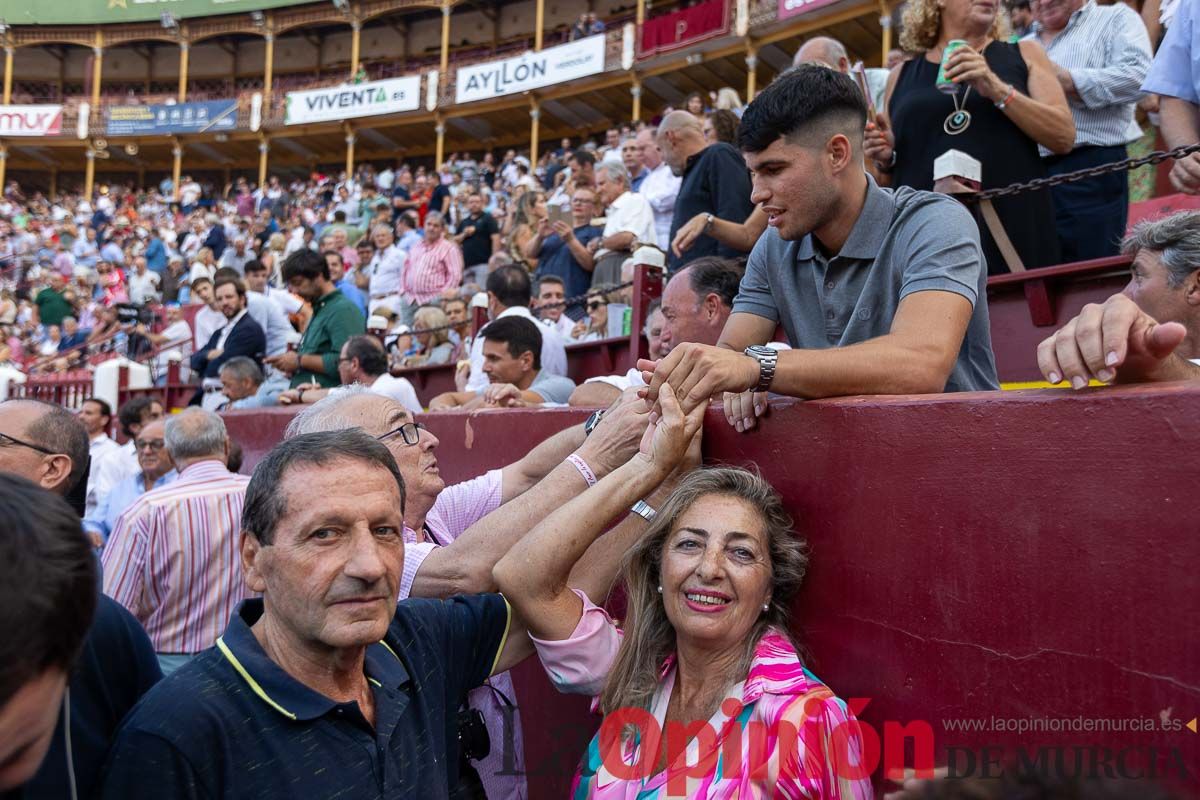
[
  {"x": 174, "y": 561},
  {"x": 432, "y": 269}
]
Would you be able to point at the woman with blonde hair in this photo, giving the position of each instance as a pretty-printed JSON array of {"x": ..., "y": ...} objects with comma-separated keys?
[
  {"x": 531, "y": 209},
  {"x": 595, "y": 325},
  {"x": 432, "y": 332},
  {"x": 706, "y": 645},
  {"x": 994, "y": 100}
]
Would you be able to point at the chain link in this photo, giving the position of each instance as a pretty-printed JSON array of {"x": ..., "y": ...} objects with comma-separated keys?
[{"x": 1156, "y": 157}]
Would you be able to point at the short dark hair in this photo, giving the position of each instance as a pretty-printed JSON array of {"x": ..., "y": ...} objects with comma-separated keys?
[
  {"x": 61, "y": 431},
  {"x": 327, "y": 253},
  {"x": 48, "y": 589},
  {"x": 369, "y": 352},
  {"x": 200, "y": 280},
  {"x": 510, "y": 284},
  {"x": 550, "y": 279},
  {"x": 808, "y": 99},
  {"x": 132, "y": 412},
  {"x": 254, "y": 265},
  {"x": 226, "y": 272},
  {"x": 305, "y": 263},
  {"x": 105, "y": 408},
  {"x": 521, "y": 336},
  {"x": 265, "y": 505},
  {"x": 234, "y": 281},
  {"x": 583, "y": 157},
  {"x": 716, "y": 275}
]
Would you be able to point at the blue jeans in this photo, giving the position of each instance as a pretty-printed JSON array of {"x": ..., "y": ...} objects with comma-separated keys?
[{"x": 1090, "y": 215}]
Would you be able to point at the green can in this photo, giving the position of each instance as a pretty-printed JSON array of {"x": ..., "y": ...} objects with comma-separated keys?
[{"x": 943, "y": 83}]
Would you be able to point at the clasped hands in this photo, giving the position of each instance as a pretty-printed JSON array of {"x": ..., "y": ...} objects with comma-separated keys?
[{"x": 697, "y": 373}]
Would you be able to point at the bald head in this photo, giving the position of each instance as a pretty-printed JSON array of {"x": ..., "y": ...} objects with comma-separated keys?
[
  {"x": 54, "y": 449},
  {"x": 680, "y": 136},
  {"x": 680, "y": 122},
  {"x": 824, "y": 51}
]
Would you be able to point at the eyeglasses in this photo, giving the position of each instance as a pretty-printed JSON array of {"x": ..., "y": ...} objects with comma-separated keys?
[
  {"x": 410, "y": 431},
  {"x": 11, "y": 440},
  {"x": 595, "y": 304},
  {"x": 153, "y": 444}
]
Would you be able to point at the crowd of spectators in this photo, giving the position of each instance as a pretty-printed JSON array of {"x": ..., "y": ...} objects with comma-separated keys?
[{"x": 248, "y": 641}]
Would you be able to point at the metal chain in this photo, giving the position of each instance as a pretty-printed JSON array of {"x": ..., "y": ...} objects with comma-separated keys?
[{"x": 1156, "y": 157}]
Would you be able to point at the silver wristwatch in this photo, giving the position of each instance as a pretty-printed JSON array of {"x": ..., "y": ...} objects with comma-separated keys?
[
  {"x": 644, "y": 510},
  {"x": 767, "y": 358}
]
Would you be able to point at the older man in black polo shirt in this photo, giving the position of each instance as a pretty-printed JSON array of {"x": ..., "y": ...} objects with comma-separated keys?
[
  {"x": 716, "y": 184},
  {"x": 879, "y": 291},
  {"x": 325, "y": 686}
]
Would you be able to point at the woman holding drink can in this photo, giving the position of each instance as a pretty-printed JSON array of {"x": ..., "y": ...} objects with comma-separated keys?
[{"x": 972, "y": 91}]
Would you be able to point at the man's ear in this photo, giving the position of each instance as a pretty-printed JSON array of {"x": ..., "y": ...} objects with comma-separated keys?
[
  {"x": 55, "y": 471},
  {"x": 1191, "y": 288},
  {"x": 526, "y": 360},
  {"x": 252, "y": 554},
  {"x": 839, "y": 152},
  {"x": 712, "y": 304}
]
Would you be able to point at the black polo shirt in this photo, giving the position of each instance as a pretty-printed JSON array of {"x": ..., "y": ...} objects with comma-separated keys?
[
  {"x": 477, "y": 248},
  {"x": 715, "y": 181},
  {"x": 233, "y": 724}
]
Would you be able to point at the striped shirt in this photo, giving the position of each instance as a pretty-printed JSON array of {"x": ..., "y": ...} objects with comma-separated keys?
[
  {"x": 1107, "y": 51},
  {"x": 432, "y": 269},
  {"x": 174, "y": 558}
]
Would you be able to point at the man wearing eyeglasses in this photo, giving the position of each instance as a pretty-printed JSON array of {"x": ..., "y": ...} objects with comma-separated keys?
[{"x": 155, "y": 469}]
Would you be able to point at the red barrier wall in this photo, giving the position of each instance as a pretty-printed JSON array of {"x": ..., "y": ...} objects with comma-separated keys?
[{"x": 1015, "y": 555}]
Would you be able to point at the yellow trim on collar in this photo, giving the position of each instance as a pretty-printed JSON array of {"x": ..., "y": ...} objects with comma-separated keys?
[
  {"x": 504, "y": 638},
  {"x": 258, "y": 690}
]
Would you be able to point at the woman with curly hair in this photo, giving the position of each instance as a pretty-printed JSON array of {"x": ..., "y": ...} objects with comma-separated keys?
[
  {"x": 531, "y": 209},
  {"x": 1003, "y": 102},
  {"x": 721, "y": 126}
]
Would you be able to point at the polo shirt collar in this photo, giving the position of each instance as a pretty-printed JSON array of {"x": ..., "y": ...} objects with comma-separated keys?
[
  {"x": 321, "y": 302},
  {"x": 691, "y": 160},
  {"x": 517, "y": 311},
  {"x": 869, "y": 231},
  {"x": 279, "y": 690}
]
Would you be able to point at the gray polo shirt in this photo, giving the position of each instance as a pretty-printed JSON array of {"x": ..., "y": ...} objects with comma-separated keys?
[
  {"x": 552, "y": 388},
  {"x": 904, "y": 241}
]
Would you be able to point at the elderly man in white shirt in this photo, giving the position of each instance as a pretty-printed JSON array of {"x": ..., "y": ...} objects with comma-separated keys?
[
  {"x": 660, "y": 187},
  {"x": 385, "y": 271},
  {"x": 628, "y": 221}
]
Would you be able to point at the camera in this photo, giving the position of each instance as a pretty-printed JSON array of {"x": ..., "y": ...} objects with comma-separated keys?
[
  {"x": 473, "y": 739},
  {"x": 130, "y": 314}
]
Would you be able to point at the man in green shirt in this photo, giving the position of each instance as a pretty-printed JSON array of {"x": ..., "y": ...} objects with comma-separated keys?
[
  {"x": 51, "y": 302},
  {"x": 335, "y": 319}
]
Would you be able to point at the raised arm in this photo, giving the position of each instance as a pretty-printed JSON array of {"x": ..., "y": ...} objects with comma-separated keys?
[
  {"x": 731, "y": 233},
  {"x": 534, "y": 575}
]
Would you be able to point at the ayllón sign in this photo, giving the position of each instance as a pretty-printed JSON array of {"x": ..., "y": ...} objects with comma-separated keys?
[{"x": 530, "y": 70}]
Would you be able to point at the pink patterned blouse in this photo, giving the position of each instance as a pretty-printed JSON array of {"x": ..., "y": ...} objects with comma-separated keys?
[{"x": 778, "y": 733}]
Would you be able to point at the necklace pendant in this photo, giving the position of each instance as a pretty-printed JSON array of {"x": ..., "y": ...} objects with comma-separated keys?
[{"x": 957, "y": 122}]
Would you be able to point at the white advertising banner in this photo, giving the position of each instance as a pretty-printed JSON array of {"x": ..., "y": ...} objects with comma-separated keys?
[
  {"x": 530, "y": 70},
  {"x": 30, "y": 120},
  {"x": 344, "y": 101}
]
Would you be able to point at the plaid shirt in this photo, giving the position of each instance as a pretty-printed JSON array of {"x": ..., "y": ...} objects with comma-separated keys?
[{"x": 431, "y": 270}]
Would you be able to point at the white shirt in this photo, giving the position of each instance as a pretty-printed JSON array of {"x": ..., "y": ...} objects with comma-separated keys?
[
  {"x": 398, "y": 389},
  {"x": 629, "y": 213},
  {"x": 208, "y": 322},
  {"x": 189, "y": 193},
  {"x": 99, "y": 449},
  {"x": 563, "y": 326},
  {"x": 554, "y": 352},
  {"x": 143, "y": 288},
  {"x": 115, "y": 467},
  {"x": 228, "y": 328},
  {"x": 287, "y": 302},
  {"x": 178, "y": 337},
  {"x": 386, "y": 270},
  {"x": 660, "y": 188},
  {"x": 272, "y": 320},
  {"x": 9, "y": 375},
  {"x": 200, "y": 270}
]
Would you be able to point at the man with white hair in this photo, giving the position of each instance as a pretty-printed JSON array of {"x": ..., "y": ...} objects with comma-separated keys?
[
  {"x": 629, "y": 220},
  {"x": 173, "y": 558},
  {"x": 660, "y": 187},
  {"x": 715, "y": 184},
  {"x": 235, "y": 257},
  {"x": 1148, "y": 332},
  {"x": 385, "y": 271}
]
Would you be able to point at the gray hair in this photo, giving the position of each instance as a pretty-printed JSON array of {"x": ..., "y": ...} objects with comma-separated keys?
[
  {"x": 326, "y": 414},
  {"x": 436, "y": 216},
  {"x": 616, "y": 172},
  {"x": 241, "y": 368},
  {"x": 1176, "y": 239},
  {"x": 378, "y": 228},
  {"x": 195, "y": 433},
  {"x": 265, "y": 504}
]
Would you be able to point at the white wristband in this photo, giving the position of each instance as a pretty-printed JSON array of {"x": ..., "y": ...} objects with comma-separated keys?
[{"x": 583, "y": 468}]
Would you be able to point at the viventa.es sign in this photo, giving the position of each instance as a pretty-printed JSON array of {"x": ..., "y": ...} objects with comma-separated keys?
[
  {"x": 348, "y": 100},
  {"x": 530, "y": 70},
  {"x": 30, "y": 120}
]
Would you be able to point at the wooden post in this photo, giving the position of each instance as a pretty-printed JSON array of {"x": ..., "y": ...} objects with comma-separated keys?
[
  {"x": 535, "y": 114},
  {"x": 751, "y": 71},
  {"x": 440, "y": 149},
  {"x": 183, "y": 69},
  {"x": 264, "y": 147},
  {"x": 885, "y": 23},
  {"x": 636, "y": 91},
  {"x": 97, "y": 61},
  {"x": 8, "y": 73},
  {"x": 53, "y": 183},
  {"x": 538, "y": 20},
  {"x": 3, "y": 166},
  {"x": 269, "y": 70},
  {"x": 445, "y": 59},
  {"x": 89, "y": 173},
  {"x": 355, "y": 37},
  {"x": 349, "y": 150},
  {"x": 641, "y": 14},
  {"x": 176, "y": 167}
]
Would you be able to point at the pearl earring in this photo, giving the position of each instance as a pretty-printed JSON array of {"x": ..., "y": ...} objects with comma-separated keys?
[
  {"x": 766, "y": 606},
  {"x": 660, "y": 590}
]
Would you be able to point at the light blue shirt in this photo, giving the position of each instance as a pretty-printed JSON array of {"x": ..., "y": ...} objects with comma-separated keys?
[
  {"x": 354, "y": 293},
  {"x": 112, "y": 505},
  {"x": 1176, "y": 68},
  {"x": 408, "y": 240},
  {"x": 272, "y": 320}
]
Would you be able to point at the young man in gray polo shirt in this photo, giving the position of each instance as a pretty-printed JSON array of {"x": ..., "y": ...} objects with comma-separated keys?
[{"x": 879, "y": 291}]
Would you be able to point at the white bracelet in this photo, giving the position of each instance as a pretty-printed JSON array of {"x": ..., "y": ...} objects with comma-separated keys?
[{"x": 584, "y": 469}]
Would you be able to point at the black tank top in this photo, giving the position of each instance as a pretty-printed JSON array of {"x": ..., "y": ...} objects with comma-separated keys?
[{"x": 918, "y": 111}]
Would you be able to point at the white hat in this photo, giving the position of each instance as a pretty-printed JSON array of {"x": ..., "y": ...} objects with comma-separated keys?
[
  {"x": 650, "y": 256},
  {"x": 377, "y": 323}
]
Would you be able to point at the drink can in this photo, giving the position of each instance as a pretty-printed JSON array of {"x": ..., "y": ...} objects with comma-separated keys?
[{"x": 943, "y": 83}]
